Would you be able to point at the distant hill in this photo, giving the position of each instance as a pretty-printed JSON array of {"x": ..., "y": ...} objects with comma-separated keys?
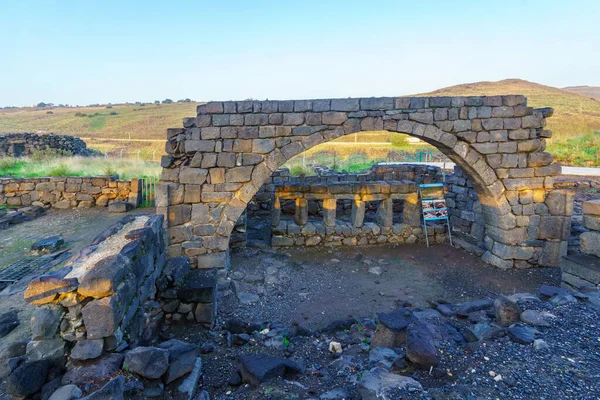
[
  {"x": 574, "y": 114},
  {"x": 589, "y": 91}
]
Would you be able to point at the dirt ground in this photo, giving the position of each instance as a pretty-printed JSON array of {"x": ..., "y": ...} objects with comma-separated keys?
[{"x": 314, "y": 286}]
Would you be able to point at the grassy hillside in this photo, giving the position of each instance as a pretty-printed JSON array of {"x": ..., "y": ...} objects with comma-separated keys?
[
  {"x": 589, "y": 91},
  {"x": 574, "y": 114}
]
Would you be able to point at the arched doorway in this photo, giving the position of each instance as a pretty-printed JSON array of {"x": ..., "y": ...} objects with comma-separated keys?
[{"x": 220, "y": 159}]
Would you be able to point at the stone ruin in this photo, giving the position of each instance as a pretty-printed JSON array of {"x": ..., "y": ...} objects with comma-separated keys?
[
  {"x": 220, "y": 159},
  {"x": 24, "y": 144},
  {"x": 581, "y": 271},
  {"x": 115, "y": 293}
]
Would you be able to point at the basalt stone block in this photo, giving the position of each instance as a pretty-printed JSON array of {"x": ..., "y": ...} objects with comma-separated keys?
[
  {"x": 591, "y": 207},
  {"x": 119, "y": 207},
  {"x": 258, "y": 368},
  {"x": 27, "y": 379},
  {"x": 420, "y": 346},
  {"x": 45, "y": 349},
  {"x": 199, "y": 286},
  {"x": 46, "y": 288},
  {"x": 49, "y": 245},
  {"x": 87, "y": 349},
  {"x": 102, "y": 280},
  {"x": 391, "y": 328},
  {"x": 589, "y": 243},
  {"x": 45, "y": 321},
  {"x": 103, "y": 316},
  {"x": 149, "y": 362}
]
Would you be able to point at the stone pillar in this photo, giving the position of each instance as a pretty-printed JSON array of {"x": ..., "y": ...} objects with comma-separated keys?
[
  {"x": 385, "y": 213},
  {"x": 135, "y": 196},
  {"x": 275, "y": 211},
  {"x": 301, "y": 216},
  {"x": 412, "y": 211},
  {"x": 329, "y": 211},
  {"x": 358, "y": 213}
]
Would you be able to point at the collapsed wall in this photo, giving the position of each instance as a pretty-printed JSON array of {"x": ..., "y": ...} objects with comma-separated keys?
[{"x": 24, "y": 144}]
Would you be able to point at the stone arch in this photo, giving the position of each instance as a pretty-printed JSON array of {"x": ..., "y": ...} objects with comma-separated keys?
[{"x": 220, "y": 159}]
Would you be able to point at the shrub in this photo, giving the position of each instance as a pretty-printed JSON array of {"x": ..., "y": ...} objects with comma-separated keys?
[
  {"x": 49, "y": 154},
  {"x": 80, "y": 114},
  {"x": 60, "y": 170},
  {"x": 8, "y": 163},
  {"x": 109, "y": 106},
  {"x": 297, "y": 170},
  {"x": 110, "y": 171},
  {"x": 113, "y": 113},
  {"x": 49, "y": 112}
]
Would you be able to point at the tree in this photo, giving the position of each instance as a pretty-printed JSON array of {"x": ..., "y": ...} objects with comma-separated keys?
[
  {"x": 167, "y": 101},
  {"x": 41, "y": 105}
]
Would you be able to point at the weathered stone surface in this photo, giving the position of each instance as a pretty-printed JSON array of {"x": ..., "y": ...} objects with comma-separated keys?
[
  {"x": 589, "y": 243},
  {"x": 87, "y": 349},
  {"x": 379, "y": 384},
  {"x": 27, "y": 378},
  {"x": 81, "y": 373},
  {"x": 102, "y": 280},
  {"x": 67, "y": 392},
  {"x": 8, "y": 321},
  {"x": 391, "y": 328},
  {"x": 522, "y": 334},
  {"x": 149, "y": 362},
  {"x": 113, "y": 390},
  {"x": 420, "y": 347},
  {"x": 45, "y": 349},
  {"x": 199, "y": 286},
  {"x": 259, "y": 368},
  {"x": 507, "y": 311}
]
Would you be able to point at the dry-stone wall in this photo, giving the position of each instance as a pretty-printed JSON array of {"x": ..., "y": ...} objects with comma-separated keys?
[
  {"x": 464, "y": 208},
  {"x": 23, "y": 144},
  {"x": 221, "y": 157},
  {"x": 69, "y": 192},
  {"x": 581, "y": 270},
  {"x": 103, "y": 296}
]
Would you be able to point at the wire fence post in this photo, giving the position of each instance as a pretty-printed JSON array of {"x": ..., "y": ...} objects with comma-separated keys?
[
  {"x": 121, "y": 154},
  {"x": 138, "y": 154},
  {"x": 154, "y": 155}
]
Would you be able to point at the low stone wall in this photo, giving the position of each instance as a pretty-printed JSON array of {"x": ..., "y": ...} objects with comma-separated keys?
[
  {"x": 288, "y": 234},
  {"x": 333, "y": 231},
  {"x": 69, "y": 192},
  {"x": 23, "y": 144}
]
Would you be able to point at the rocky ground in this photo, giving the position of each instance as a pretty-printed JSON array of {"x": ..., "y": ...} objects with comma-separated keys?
[{"x": 296, "y": 306}]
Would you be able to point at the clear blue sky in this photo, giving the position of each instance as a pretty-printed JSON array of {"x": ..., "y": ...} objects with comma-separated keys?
[{"x": 82, "y": 52}]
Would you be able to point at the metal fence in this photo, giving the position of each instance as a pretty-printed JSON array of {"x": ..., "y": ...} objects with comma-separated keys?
[{"x": 148, "y": 191}]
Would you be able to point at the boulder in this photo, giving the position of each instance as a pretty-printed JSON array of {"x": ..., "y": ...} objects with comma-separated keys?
[
  {"x": 391, "y": 328},
  {"x": 483, "y": 331},
  {"x": 522, "y": 334},
  {"x": 199, "y": 286},
  {"x": 27, "y": 378},
  {"x": 87, "y": 349},
  {"x": 81, "y": 373},
  {"x": 67, "y": 392},
  {"x": 119, "y": 207},
  {"x": 45, "y": 321},
  {"x": 149, "y": 362},
  {"x": 8, "y": 322},
  {"x": 382, "y": 357},
  {"x": 45, "y": 349},
  {"x": 258, "y": 368},
  {"x": 8, "y": 351},
  {"x": 464, "y": 309},
  {"x": 548, "y": 291},
  {"x": 507, "y": 311},
  {"x": 563, "y": 298},
  {"x": 339, "y": 325},
  {"x": 189, "y": 384},
  {"x": 48, "y": 245},
  {"x": 379, "y": 384},
  {"x": 536, "y": 318},
  {"x": 113, "y": 390},
  {"x": 420, "y": 346},
  {"x": 182, "y": 358}
]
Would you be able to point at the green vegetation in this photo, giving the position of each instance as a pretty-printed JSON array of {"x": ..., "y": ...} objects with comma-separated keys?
[
  {"x": 78, "y": 166},
  {"x": 581, "y": 150}
]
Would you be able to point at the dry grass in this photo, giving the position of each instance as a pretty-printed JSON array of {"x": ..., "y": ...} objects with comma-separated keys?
[{"x": 574, "y": 114}]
